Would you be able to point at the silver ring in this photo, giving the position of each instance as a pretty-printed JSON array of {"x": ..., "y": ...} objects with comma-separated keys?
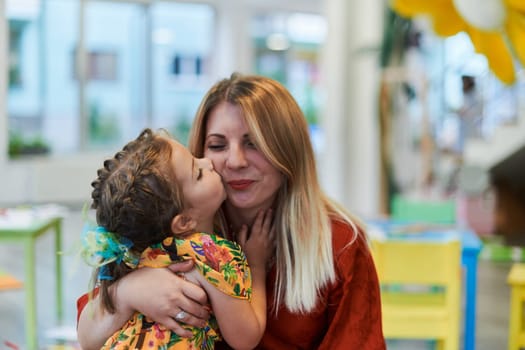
[{"x": 180, "y": 315}]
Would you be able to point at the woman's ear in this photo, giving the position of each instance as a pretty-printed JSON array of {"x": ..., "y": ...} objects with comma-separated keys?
[{"x": 182, "y": 223}]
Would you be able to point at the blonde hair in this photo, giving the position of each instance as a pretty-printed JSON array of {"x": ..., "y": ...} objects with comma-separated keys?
[{"x": 304, "y": 257}]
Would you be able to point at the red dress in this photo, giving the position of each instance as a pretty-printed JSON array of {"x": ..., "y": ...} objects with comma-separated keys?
[{"x": 351, "y": 317}]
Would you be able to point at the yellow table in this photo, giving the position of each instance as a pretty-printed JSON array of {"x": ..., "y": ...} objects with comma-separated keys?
[
  {"x": 27, "y": 235},
  {"x": 9, "y": 282}
]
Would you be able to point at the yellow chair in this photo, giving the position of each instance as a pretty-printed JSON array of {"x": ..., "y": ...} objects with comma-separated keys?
[
  {"x": 516, "y": 280},
  {"x": 420, "y": 290}
]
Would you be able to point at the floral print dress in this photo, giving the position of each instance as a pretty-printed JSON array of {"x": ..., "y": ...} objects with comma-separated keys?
[{"x": 220, "y": 261}]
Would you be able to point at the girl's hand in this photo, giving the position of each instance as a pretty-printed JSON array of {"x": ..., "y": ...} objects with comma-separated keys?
[
  {"x": 161, "y": 294},
  {"x": 259, "y": 245}
]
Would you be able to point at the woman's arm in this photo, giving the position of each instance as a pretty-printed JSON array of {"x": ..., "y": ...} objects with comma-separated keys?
[
  {"x": 96, "y": 325},
  {"x": 135, "y": 292},
  {"x": 354, "y": 303}
]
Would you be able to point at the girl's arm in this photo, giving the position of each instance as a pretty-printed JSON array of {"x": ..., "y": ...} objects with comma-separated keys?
[
  {"x": 157, "y": 293},
  {"x": 242, "y": 322}
]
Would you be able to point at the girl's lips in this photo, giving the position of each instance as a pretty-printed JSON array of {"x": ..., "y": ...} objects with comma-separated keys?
[{"x": 240, "y": 185}]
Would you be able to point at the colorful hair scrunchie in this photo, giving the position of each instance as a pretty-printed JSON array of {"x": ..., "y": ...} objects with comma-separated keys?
[{"x": 100, "y": 247}]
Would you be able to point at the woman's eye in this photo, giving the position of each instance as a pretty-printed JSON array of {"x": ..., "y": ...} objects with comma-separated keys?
[
  {"x": 251, "y": 144},
  {"x": 215, "y": 146}
]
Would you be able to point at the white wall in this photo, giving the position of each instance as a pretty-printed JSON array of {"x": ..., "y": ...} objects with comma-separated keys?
[
  {"x": 350, "y": 161},
  {"x": 48, "y": 179},
  {"x": 235, "y": 46}
]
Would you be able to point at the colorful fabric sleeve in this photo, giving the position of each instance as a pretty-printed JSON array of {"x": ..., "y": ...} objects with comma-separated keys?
[{"x": 220, "y": 261}]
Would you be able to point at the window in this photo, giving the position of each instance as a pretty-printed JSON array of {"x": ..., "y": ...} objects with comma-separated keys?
[
  {"x": 25, "y": 101},
  {"x": 16, "y": 28},
  {"x": 142, "y": 64},
  {"x": 182, "y": 49},
  {"x": 116, "y": 72},
  {"x": 287, "y": 48}
]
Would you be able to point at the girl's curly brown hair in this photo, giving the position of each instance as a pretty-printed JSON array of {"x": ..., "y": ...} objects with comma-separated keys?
[{"x": 136, "y": 196}]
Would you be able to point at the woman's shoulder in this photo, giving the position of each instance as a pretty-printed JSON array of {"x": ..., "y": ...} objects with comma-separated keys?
[
  {"x": 344, "y": 231},
  {"x": 352, "y": 255},
  {"x": 348, "y": 237}
]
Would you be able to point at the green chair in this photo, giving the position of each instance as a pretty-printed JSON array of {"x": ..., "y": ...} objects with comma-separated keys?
[{"x": 423, "y": 210}]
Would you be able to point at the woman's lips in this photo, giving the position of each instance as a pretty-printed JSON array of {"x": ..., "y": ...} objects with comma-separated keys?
[{"x": 240, "y": 185}]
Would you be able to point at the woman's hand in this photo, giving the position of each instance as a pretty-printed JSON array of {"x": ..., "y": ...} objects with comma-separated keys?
[
  {"x": 161, "y": 294},
  {"x": 158, "y": 293},
  {"x": 259, "y": 245}
]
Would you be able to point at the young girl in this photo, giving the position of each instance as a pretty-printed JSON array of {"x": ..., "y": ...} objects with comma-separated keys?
[{"x": 155, "y": 204}]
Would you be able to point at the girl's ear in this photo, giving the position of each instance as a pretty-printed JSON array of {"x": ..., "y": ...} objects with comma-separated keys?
[{"x": 182, "y": 223}]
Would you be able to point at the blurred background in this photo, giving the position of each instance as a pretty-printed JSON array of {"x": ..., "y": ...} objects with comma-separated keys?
[{"x": 400, "y": 103}]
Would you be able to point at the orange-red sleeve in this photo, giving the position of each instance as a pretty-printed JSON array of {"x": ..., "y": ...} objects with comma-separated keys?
[
  {"x": 83, "y": 300},
  {"x": 348, "y": 315},
  {"x": 354, "y": 306}
]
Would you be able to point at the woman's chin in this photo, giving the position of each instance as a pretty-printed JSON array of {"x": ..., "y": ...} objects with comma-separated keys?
[{"x": 239, "y": 203}]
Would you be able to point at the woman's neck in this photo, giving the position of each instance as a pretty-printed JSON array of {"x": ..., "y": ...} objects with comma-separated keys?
[{"x": 237, "y": 217}]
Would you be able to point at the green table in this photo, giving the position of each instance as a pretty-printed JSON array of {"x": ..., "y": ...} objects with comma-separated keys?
[{"x": 27, "y": 235}]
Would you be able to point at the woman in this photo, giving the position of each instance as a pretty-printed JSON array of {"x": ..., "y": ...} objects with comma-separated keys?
[{"x": 323, "y": 291}]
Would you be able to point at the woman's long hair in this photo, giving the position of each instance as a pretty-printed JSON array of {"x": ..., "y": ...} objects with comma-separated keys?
[{"x": 304, "y": 257}]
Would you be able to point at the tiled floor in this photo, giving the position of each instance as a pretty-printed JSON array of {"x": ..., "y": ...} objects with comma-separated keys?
[{"x": 492, "y": 311}]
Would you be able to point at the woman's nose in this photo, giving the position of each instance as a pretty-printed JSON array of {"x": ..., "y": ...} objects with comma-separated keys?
[{"x": 236, "y": 158}]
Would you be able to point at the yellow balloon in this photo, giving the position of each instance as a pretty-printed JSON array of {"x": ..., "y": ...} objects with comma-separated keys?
[{"x": 489, "y": 15}]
